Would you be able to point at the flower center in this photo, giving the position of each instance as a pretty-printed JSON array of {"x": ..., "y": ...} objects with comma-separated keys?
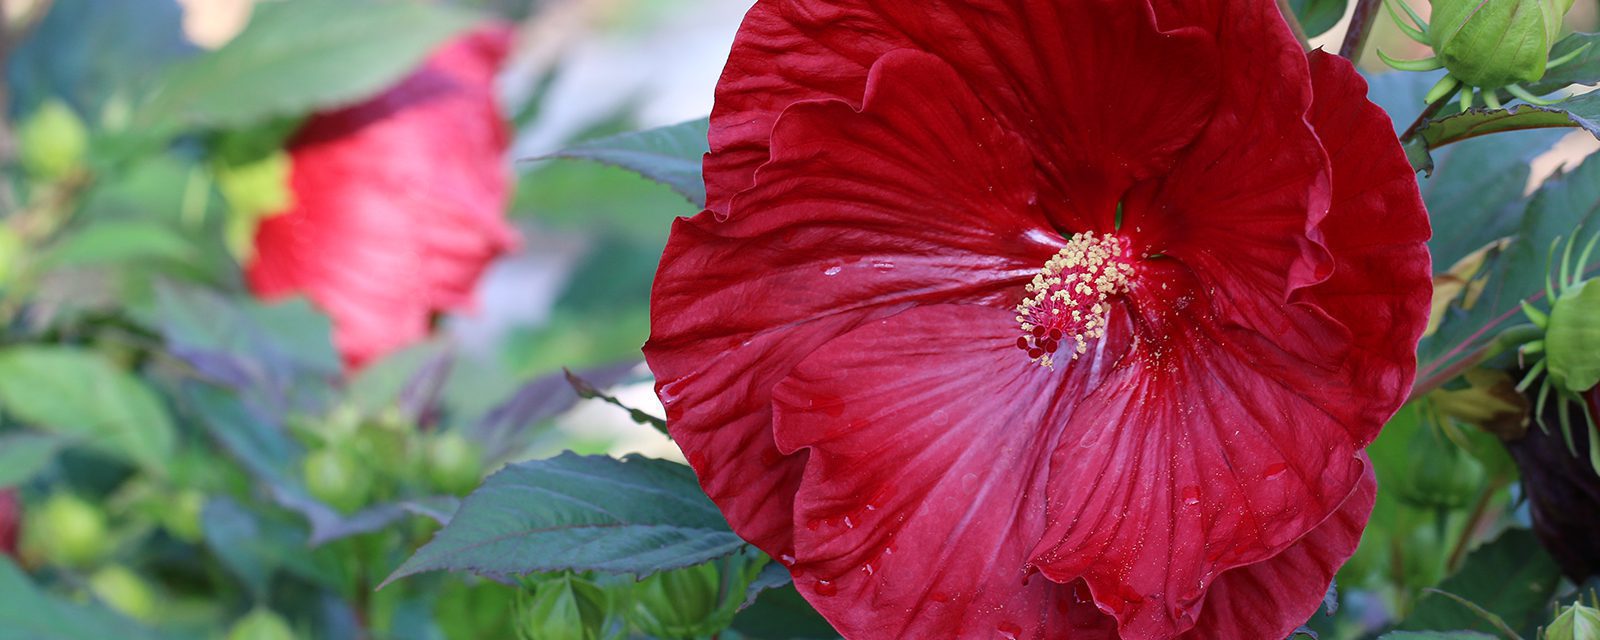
[{"x": 1069, "y": 297}]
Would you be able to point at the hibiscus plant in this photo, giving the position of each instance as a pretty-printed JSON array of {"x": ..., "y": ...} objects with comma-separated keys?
[{"x": 1024, "y": 319}]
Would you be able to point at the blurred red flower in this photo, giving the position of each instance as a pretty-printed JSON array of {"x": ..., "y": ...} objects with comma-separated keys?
[
  {"x": 399, "y": 203},
  {"x": 10, "y": 522},
  {"x": 1112, "y": 291}
]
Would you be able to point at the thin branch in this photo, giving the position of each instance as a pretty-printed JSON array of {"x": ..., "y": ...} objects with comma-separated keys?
[
  {"x": 1427, "y": 114},
  {"x": 1294, "y": 24},
  {"x": 1355, "y": 40}
]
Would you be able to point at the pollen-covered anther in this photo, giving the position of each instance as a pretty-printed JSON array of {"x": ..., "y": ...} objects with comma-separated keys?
[{"x": 1070, "y": 297}]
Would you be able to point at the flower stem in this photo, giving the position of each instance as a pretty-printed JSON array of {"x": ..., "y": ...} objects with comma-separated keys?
[
  {"x": 1427, "y": 114},
  {"x": 1355, "y": 40},
  {"x": 1294, "y": 24},
  {"x": 1474, "y": 521}
]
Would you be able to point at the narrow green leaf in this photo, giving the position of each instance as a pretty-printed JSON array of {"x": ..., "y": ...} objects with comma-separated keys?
[
  {"x": 1511, "y": 577},
  {"x": 304, "y": 55},
  {"x": 583, "y": 513},
  {"x": 1580, "y": 112},
  {"x": 23, "y": 455},
  {"x": 81, "y": 395},
  {"x": 668, "y": 155}
]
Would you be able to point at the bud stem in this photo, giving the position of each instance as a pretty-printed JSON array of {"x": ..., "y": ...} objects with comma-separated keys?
[{"x": 1355, "y": 40}]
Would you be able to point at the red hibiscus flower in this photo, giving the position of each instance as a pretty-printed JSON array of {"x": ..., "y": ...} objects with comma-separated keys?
[
  {"x": 10, "y": 522},
  {"x": 1113, "y": 292},
  {"x": 399, "y": 203}
]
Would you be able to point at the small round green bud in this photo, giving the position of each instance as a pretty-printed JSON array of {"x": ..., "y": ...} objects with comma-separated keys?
[
  {"x": 1441, "y": 476},
  {"x": 1495, "y": 43},
  {"x": 338, "y": 478},
  {"x": 261, "y": 624},
  {"x": 685, "y": 604},
  {"x": 181, "y": 517},
  {"x": 125, "y": 592},
  {"x": 455, "y": 464},
  {"x": 1572, "y": 341},
  {"x": 1577, "y": 622},
  {"x": 52, "y": 142},
  {"x": 569, "y": 608},
  {"x": 66, "y": 531}
]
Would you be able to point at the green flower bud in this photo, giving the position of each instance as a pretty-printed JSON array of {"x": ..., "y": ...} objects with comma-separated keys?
[
  {"x": 1441, "y": 476},
  {"x": 1495, "y": 43},
  {"x": 125, "y": 592},
  {"x": 569, "y": 608},
  {"x": 1577, "y": 622},
  {"x": 1572, "y": 339},
  {"x": 52, "y": 142},
  {"x": 261, "y": 624},
  {"x": 455, "y": 464},
  {"x": 338, "y": 478},
  {"x": 66, "y": 531},
  {"x": 688, "y": 603},
  {"x": 181, "y": 517}
]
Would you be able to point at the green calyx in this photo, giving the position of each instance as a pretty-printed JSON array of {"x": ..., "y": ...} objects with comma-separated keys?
[
  {"x": 1572, "y": 341},
  {"x": 1488, "y": 46},
  {"x": 569, "y": 607},
  {"x": 1565, "y": 360},
  {"x": 1576, "y": 622}
]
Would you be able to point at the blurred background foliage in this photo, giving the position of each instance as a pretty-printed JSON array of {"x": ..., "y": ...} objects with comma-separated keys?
[{"x": 198, "y": 462}]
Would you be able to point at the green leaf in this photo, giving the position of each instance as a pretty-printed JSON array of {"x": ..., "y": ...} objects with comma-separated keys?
[
  {"x": 1511, "y": 577},
  {"x": 244, "y": 344},
  {"x": 1318, "y": 16},
  {"x": 1435, "y": 635},
  {"x": 304, "y": 55},
  {"x": 1581, "y": 111},
  {"x": 1476, "y": 194},
  {"x": 26, "y": 612},
  {"x": 113, "y": 242},
  {"x": 582, "y": 513},
  {"x": 668, "y": 155},
  {"x": 781, "y": 614},
  {"x": 1562, "y": 205},
  {"x": 1584, "y": 69},
  {"x": 81, "y": 395},
  {"x": 23, "y": 455}
]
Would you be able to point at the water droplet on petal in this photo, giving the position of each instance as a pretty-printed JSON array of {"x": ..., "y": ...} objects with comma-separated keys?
[
  {"x": 1191, "y": 495},
  {"x": 1010, "y": 630},
  {"x": 1274, "y": 470},
  {"x": 833, "y": 271},
  {"x": 826, "y": 588}
]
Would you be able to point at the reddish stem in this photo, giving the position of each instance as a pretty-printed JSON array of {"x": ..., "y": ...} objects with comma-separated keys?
[{"x": 1355, "y": 40}]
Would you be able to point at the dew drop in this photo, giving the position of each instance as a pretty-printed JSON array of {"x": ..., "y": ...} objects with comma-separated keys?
[
  {"x": 787, "y": 560},
  {"x": 827, "y": 588},
  {"x": 1191, "y": 495},
  {"x": 1274, "y": 470},
  {"x": 1009, "y": 630},
  {"x": 833, "y": 271}
]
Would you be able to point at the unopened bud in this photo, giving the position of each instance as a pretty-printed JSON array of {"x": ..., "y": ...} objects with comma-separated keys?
[
  {"x": 569, "y": 608},
  {"x": 1577, "y": 622},
  {"x": 52, "y": 142}
]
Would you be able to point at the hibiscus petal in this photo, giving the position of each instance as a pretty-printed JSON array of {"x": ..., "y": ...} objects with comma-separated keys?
[
  {"x": 1258, "y": 401},
  {"x": 398, "y": 202},
  {"x": 1376, "y": 229},
  {"x": 859, "y": 214},
  {"x": 1049, "y": 71},
  {"x": 945, "y": 460},
  {"x": 1272, "y": 598}
]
